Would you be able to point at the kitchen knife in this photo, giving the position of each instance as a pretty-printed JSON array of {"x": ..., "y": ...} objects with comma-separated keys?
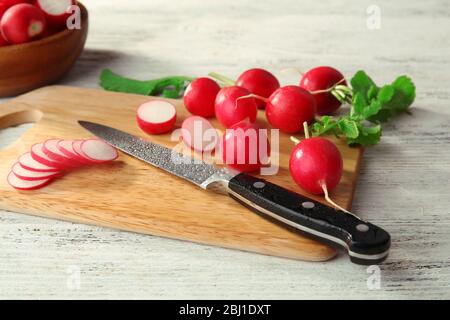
[{"x": 364, "y": 242}]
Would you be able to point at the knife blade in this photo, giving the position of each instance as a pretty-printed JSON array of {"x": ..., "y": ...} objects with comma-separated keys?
[{"x": 364, "y": 242}]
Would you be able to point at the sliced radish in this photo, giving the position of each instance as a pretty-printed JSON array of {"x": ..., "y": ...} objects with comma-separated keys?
[
  {"x": 27, "y": 162},
  {"x": 156, "y": 116},
  {"x": 30, "y": 175},
  {"x": 67, "y": 148},
  {"x": 21, "y": 184},
  {"x": 51, "y": 150},
  {"x": 38, "y": 154},
  {"x": 199, "y": 134},
  {"x": 98, "y": 151},
  {"x": 55, "y": 11},
  {"x": 77, "y": 148}
]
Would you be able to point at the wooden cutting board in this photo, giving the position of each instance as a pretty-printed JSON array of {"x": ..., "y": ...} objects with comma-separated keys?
[{"x": 131, "y": 195}]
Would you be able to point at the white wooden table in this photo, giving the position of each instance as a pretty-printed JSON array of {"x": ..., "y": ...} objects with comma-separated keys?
[{"x": 404, "y": 183}]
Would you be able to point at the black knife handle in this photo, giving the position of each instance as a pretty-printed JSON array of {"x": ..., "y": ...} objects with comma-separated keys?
[{"x": 365, "y": 243}]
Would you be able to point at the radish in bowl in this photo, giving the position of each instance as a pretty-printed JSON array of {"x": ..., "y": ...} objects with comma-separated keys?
[
  {"x": 23, "y": 23},
  {"x": 56, "y": 12},
  {"x": 3, "y": 42}
]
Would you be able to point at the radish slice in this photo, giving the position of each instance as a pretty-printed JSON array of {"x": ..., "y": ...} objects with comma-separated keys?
[
  {"x": 21, "y": 184},
  {"x": 76, "y": 145},
  {"x": 38, "y": 154},
  {"x": 67, "y": 148},
  {"x": 199, "y": 134},
  {"x": 29, "y": 175},
  {"x": 98, "y": 151},
  {"x": 27, "y": 162},
  {"x": 156, "y": 116},
  {"x": 51, "y": 150}
]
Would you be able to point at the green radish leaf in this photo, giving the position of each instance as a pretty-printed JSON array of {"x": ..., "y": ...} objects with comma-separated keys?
[
  {"x": 395, "y": 98},
  {"x": 372, "y": 109},
  {"x": 368, "y": 136},
  {"x": 113, "y": 82},
  {"x": 372, "y": 93},
  {"x": 358, "y": 105},
  {"x": 385, "y": 94},
  {"x": 349, "y": 128},
  {"x": 361, "y": 83},
  {"x": 404, "y": 95},
  {"x": 323, "y": 126},
  {"x": 369, "y": 103},
  {"x": 171, "y": 94}
]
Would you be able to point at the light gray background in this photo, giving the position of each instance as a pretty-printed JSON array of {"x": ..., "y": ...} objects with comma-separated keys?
[{"x": 404, "y": 183}]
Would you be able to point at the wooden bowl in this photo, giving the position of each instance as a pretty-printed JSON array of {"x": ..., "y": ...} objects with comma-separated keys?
[{"x": 27, "y": 66}]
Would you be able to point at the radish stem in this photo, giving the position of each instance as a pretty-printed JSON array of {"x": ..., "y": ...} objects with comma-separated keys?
[
  {"x": 295, "y": 140},
  {"x": 306, "y": 130},
  {"x": 329, "y": 89},
  {"x": 225, "y": 80},
  {"x": 327, "y": 197},
  {"x": 254, "y": 96}
]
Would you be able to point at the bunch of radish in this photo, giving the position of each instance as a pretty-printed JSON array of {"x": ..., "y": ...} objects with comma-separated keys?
[
  {"x": 54, "y": 157},
  {"x": 23, "y": 21},
  {"x": 235, "y": 105}
]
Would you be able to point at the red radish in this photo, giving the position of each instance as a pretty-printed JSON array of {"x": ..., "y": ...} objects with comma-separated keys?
[
  {"x": 22, "y": 23},
  {"x": 4, "y": 5},
  {"x": 3, "y": 42},
  {"x": 316, "y": 165},
  {"x": 3, "y": 8},
  {"x": 199, "y": 134},
  {"x": 10, "y": 3},
  {"x": 245, "y": 147},
  {"x": 230, "y": 110},
  {"x": 98, "y": 151},
  {"x": 27, "y": 162},
  {"x": 55, "y": 11},
  {"x": 21, "y": 184},
  {"x": 156, "y": 116},
  {"x": 51, "y": 150},
  {"x": 288, "y": 107},
  {"x": 260, "y": 82},
  {"x": 38, "y": 154},
  {"x": 25, "y": 174},
  {"x": 323, "y": 79},
  {"x": 200, "y": 96},
  {"x": 67, "y": 148}
]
